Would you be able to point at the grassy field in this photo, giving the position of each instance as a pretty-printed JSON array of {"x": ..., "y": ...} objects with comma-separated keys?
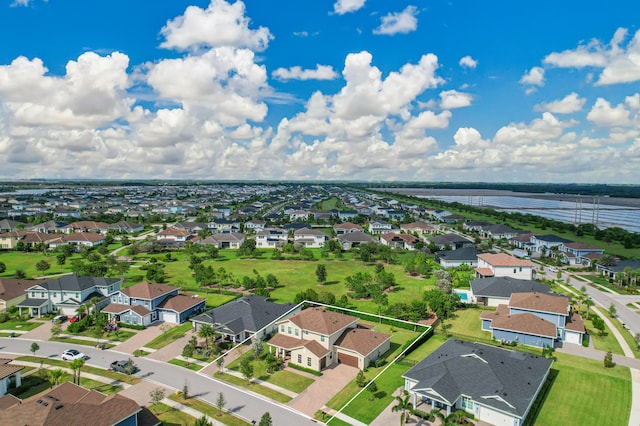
[
  {"x": 83, "y": 342},
  {"x": 584, "y": 392},
  {"x": 627, "y": 337},
  {"x": 27, "y": 261},
  {"x": 222, "y": 417},
  {"x": 170, "y": 416}
]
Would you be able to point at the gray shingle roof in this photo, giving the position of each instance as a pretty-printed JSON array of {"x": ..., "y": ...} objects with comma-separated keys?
[
  {"x": 77, "y": 283},
  {"x": 249, "y": 313},
  {"x": 503, "y": 379},
  {"x": 469, "y": 254},
  {"x": 505, "y": 286}
]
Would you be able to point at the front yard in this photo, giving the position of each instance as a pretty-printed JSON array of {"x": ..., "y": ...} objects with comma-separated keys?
[
  {"x": 170, "y": 336},
  {"x": 20, "y": 324}
]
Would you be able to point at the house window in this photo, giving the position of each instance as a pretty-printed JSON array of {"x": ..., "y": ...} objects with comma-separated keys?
[
  {"x": 299, "y": 359},
  {"x": 289, "y": 330},
  {"x": 467, "y": 403},
  {"x": 309, "y": 361},
  {"x": 42, "y": 295},
  {"x": 282, "y": 328},
  {"x": 77, "y": 295},
  {"x": 322, "y": 338},
  {"x": 514, "y": 270},
  {"x": 33, "y": 294},
  {"x": 55, "y": 294},
  {"x": 297, "y": 332}
]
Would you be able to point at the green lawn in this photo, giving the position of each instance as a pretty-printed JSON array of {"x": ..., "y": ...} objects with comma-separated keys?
[
  {"x": 27, "y": 262},
  {"x": 627, "y": 337},
  {"x": 132, "y": 380},
  {"x": 584, "y": 392},
  {"x": 262, "y": 390},
  {"x": 467, "y": 322},
  {"x": 211, "y": 411},
  {"x": 185, "y": 364},
  {"x": 170, "y": 416},
  {"x": 120, "y": 337},
  {"x": 82, "y": 342},
  {"x": 170, "y": 336},
  {"x": 33, "y": 384},
  {"x": 18, "y": 324},
  {"x": 607, "y": 342}
]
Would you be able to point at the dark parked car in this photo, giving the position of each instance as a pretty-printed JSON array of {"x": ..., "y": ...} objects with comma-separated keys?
[
  {"x": 125, "y": 367},
  {"x": 59, "y": 319}
]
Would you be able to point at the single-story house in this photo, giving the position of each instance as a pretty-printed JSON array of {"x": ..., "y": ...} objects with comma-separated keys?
[
  {"x": 493, "y": 291},
  {"x": 450, "y": 241},
  {"x": 354, "y": 239},
  {"x": 231, "y": 240},
  {"x": 399, "y": 241},
  {"x": 240, "y": 318},
  {"x": 495, "y": 385},
  {"x": 9, "y": 375},
  {"x": 454, "y": 258}
]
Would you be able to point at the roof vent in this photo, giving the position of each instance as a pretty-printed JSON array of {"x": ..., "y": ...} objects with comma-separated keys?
[{"x": 59, "y": 406}]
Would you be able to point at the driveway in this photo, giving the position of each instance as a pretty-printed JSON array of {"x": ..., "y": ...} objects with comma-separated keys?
[
  {"x": 173, "y": 349},
  {"x": 43, "y": 332},
  {"x": 141, "y": 338},
  {"x": 316, "y": 396}
]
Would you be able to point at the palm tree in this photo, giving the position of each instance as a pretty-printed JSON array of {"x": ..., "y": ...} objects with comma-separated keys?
[
  {"x": 94, "y": 302},
  {"x": 55, "y": 376},
  {"x": 82, "y": 309},
  {"x": 588, "y": 303},
  {"x": 403, "y": 404},
  {"x": 455, "y": 418},
  {"x": 206, "y": 331},
  {"x": 202, "y": 421},
  {"x": 76, "y": 366}
]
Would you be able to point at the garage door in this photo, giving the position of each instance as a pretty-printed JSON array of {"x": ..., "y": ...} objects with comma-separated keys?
[
  {"x": 494, "y": 417},
  {"x": 348, "y": 359},
  {"x": 169, "y": 317}
]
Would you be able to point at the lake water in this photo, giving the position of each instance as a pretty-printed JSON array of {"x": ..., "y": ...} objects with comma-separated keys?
[{"x": 583, "y": 210}]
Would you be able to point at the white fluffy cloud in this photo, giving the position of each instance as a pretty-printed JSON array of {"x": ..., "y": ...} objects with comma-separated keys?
[
  {"x": 535, "y": 77},
  {"x": 322, "y": 72},
  {"x": 619, "y": 63},
  {"x": 468, "y": 62},
  {"x": 403, "y": 22},
  {"x": 450, "y": 99},
  {"x": 346, "y": 6},
  {"x": 567, "y": 105},
  {"x": 602, "y": 114},
  {"x": 220, "y": 24}
]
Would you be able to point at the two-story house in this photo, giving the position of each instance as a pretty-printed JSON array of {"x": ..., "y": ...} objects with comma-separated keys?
[
  {"x": 67, "y": 293},
  {"x": 504, "y": 265},
  {"x": 419, "y": 228},
  {"x": 399, "y": 241},
  {"x": 146, "y": 303},
  {"x": 316, "y": 339},
  {"x": 378, "y": 227},
  {"x": 310, "y": 238},
  {"x": 271, "y": 238},
  {"x": 173, "y": 235},
  {"x": 535, "y": 319},
  {"x": 224, "y": 225},
  {"x": 577, "y": 253},
  {"x": 346, "y": 227}
]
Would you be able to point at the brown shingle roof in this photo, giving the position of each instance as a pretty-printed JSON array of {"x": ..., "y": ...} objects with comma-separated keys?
[
  {"x": 503, "y": 259},
  {"x": 286, "y": 342},
  {"x": 11, "y": 288},
  {"x": 361, "y": 340},
  {"x": 115, "y": 308},
  {"x": 581, "y": 246},
  {"x": 7, "y": 370},
  {"x": 540, "y": 302},
  {"x": 347, "y": 225},
  {"x": 525, "y": 323},
  {"x": 180, "y": 303},
  {"x": 147, "y": 290},
  {"x": 575, "y": 323},
  {"x": 485, "y": 272},
  {"x": 321, "y": 321}
]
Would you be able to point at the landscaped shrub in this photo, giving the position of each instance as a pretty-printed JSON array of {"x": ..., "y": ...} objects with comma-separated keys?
[
  {"x": 306, "y": 370},
  {"x": 4, "y": 317},
  {"x": 424, "y": 415},
  {"x": 131, "y": 326}
]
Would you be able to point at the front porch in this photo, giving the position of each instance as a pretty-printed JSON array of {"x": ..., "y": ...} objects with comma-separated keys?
[{"x": 34, "y": 307}]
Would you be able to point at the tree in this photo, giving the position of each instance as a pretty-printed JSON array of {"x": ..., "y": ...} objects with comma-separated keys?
[
  {"x": 361, "y": 380},
  {"x": 202, "y": 421},
  {"x": 452, "y": 419},
  {"x": 20, "y": 274},
  {"x": 156, "y": 395},
  {"x": 190, "y": 348},
  {"x": 637, "y": 339},
  {"x": 3, "y": 267},
  {"x": 55, "y": 376},
  {"x": 246, "y": 368},
  {"x": 257, "y": 347},
  {"x": 612, "y": 310},
  {"x": 598, "y": 324},
  {"x": 608, "y": 360},
  {"x": 373, "y": 389},
  {"x": 220, "y": 363},
  {"x": 61, "y": 259},
  {"x": 265, "y": 420},
  {"x": 247, "y": 248},
  {"x": 220, "y": 403},
  {"x": 588, "y": 303},
  {"x": 321, "y": 273},
  {"x": 185, "y": 390},
  {"x": 76, "y": 366},
  {"x": 206, "y": 331},
  {"x": 403, "y": 404},
  {"x": 56, "y": 329},
  {"x": 34, "y": 348}
]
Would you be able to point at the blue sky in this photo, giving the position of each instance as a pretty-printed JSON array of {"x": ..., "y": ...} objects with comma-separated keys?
[{"x": 330, "y": 90}]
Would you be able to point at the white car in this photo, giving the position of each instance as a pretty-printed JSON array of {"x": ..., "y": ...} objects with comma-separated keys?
[
  {"x": 72, "y": 354},
  {"x": 553, "y": 269}
]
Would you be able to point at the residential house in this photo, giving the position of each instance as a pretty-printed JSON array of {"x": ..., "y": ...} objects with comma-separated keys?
[
  {"x": 614, "y": 271},
  {"x": 218, "y": 226},
  {"x": 8, "y": 225},
  {"x": 378, "y": 227},
  {"x": 504, "y": 265},
  {"x": 173, "y": 235},
  {"x": 79, "y": 239},
  {"x": 232, "y": 240},
  {"x": 241, "y": 318},
  {"x": 347, "y": 214},
  {"x": 354, "y": 239},
  {"x": 299, "y": 215},
  {"x": 67, "y": 293},
  {"x": 125, "y": 227},
  {"x": 576, "y": 253},
  {"x": 255, "y": 225},
  {"x": 418, "y": 228},
  {"x": 494, "y": 385},
  {"x": 494, "y": 291},
  {"x": 65, "y": 212},
  {"x": 11, "y": 240},
  {"x": 48, "y": 227},
  {"x": 146, "y": 303},
  {"x": 86, "y": 226},
  {"x": 346, "y": 227},
  {"x": 9, "y": 377},
  {"x": 316, "y": 339},
  {"x": 545, "y": 244},
  {"x": 492, "y": 231},
  {"x": 271, "y": 238},
  {"x": 450, "y": 241},
  {"x": 455, "y": 258},
  {"x": 399, "y": 241},
  {"x": 13, "y": 291},
  {"x": 310, "y": 238},
  {"x": 535, "y": 319},
  {"x": 192, "y": 227},
  {"x": 70, "y": 404}
]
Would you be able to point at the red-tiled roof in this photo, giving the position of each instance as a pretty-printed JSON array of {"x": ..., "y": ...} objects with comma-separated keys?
[{"x": 503, "y": 259}]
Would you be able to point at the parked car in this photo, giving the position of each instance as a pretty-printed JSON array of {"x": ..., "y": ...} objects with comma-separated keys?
[
  {"x": 72, "y": 354},
  {"x": 125, "y": 367},
  {"x": 77, "y": 317},
  {"x": 59, "y": 319},
  {"x": 553, "y": 269}
]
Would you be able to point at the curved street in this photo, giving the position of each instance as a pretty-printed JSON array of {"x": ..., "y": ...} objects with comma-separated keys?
[{"x": 240, "y": 402}]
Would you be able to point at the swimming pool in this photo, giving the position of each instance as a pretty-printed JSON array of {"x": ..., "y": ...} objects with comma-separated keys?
[{"x": 465, "y": 295}]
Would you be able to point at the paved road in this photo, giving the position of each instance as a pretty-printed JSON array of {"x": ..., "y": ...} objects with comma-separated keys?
[{"x": 243, "y": 403}]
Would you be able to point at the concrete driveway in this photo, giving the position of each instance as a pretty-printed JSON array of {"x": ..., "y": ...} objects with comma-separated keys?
[
  {"x": 43, "y": 332},
  {"x": 315, "y": 397},
  {"x": 141, "y": 338}
]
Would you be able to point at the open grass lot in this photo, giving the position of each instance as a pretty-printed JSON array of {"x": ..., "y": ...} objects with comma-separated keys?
[
  {"x": 584, "y": 392},
  {"x": 170, "y": 416},
  {"x": 26, "y": 261},
  {"x": 19, "y": 324},
  {"x": 132, "y": 380},
  {"x": 170, "y": 336},
  {"x": 222, "y": 417},
  {"x": 264, "y": 391}
]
